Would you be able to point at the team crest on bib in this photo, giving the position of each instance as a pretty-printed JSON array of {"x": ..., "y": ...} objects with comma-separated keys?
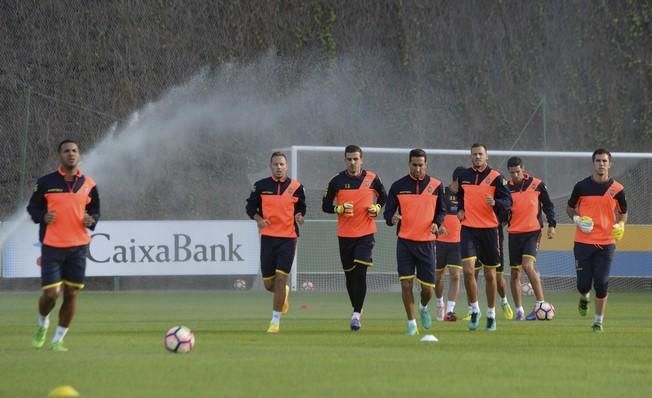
[
  {"x": 367, "y": 184},
  {"x": 612, "y": 192},
  {"x": 289, "y": 190},
  {"x": 487, "y": 180},
  {"x": 430, "y": 189}
]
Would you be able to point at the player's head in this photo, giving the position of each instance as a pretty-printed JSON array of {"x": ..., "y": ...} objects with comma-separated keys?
[
  {"x": 515, "y": 168},
  {"x": 353, "y": 159},
  {"x": 457, "y": 173},
  {"x": 479, "y": 156},
  {"x": 418, "y": 163},
  {"x": 278, "y": 164},
  {"x": 601, "y": 151},
  {"x": 601, "y": 162},
  {"x": 68, "y": 153},
  {"x": 455, "y": 182}
]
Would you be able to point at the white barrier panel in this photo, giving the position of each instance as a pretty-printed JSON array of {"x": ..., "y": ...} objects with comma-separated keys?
[{"x": 121, "y": 248}]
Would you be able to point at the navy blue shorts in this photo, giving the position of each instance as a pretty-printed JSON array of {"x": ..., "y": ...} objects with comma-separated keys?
[
  {"x": 63, "y": 266},
  {"x": 276, "y": 254},
  {"x": 593, "y": 265},
  {"x": 448, "y": 254},
  {"x": 414, "y": 256},
  {"x": 481, "y": 244},
  {"x": 354, "y": 251},
  {"x": 523, "y": 245}
]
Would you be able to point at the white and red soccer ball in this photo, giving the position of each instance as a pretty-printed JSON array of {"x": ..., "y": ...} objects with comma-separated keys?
[
  {"x": 544, "y": 311},
  {"x": 240, "y": 284},
  {"x": 307, "y": 286},
  {"x": 526, "y": 289},
  {"x": 179, "y": 339}
]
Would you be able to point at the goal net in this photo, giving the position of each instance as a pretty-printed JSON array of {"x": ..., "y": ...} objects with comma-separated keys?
[{"x": 318, "y": 262}]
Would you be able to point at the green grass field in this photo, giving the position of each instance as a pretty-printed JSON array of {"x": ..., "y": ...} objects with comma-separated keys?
[{"x": 116, "y": 350}]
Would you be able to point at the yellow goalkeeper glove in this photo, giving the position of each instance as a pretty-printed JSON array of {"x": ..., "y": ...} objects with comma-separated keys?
[
  {"x": 618, "y": 230},
  {"x": 373, "y": 210},
  {"x": 346, "y": 209},
  {"x": 585, "y": 223}
]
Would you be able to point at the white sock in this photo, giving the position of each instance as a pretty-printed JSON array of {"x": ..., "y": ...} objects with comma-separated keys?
[
  {"x": 503, "y": 300},
  {"x": 597, "y": 318},
  {"x": 276, "y": 316},
  {"x": 412, "y": 322},
  {"x": 440, "y": 302},
  {"x": 586, "y": 296},
  {"x": 491, "y": 312},
  {"x": 59, "y": 334},
  {"x": 356, "y": 315},
  {"x": 450, "y": 306},
  {"x": 539, "y": 302},
  {"x": 475, "y": 307},
  {"x": 422, "y": 307},
  {"x": 43, "y": 321},
  {"x": 520, "y": 309}
]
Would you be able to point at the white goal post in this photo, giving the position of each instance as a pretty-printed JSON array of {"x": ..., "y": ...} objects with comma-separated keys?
[{"x": 317, "y": 258}]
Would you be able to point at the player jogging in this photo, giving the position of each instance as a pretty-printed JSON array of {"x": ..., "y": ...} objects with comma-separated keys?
[
  {"x": 482, "y": 190},
  {"x": 448, "y": 253},
  {"x": 65, "y": 204},
  {"x": 356, "y": 196},
  {"x": 598, "y": 207},
  {"x": 278, "y": 205},
  {"x": 415, "y": 205},
  {"x": 529, "y": 200}
]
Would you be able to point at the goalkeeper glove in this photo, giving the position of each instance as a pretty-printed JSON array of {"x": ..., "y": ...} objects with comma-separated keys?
[
  {"x": 373, "y": 210},
  {"x": 618, "y": 230},
  {"x": 585, "y": 223},
  {"x": 346, "y": 209}
]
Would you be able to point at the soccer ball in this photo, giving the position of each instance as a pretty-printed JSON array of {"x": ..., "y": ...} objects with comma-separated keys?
[
  {"x": 307, "y": 286},
  {"x": 179, "y": 339},
  {"x": 240, "y": 284},
  {"x": 526, "y": 289},
  {"x": 545, "y": 311}
]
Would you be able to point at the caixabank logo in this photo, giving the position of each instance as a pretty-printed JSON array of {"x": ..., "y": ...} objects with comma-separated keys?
[{"x": 180, "y": 248}]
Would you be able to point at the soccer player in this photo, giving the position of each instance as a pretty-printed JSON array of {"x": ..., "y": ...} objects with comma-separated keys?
[
  {"x": 278, "y": 205},
  {"x": 448, "y": 253},
  {"x": 482, "y": 193},
  {"x": 598, "y": 207},
  {"x": 529, "y": 199},
  {"x": 416, "y": 205},
  {"x": 356, "y": 196},
  {"x": 65, "y": 204}
]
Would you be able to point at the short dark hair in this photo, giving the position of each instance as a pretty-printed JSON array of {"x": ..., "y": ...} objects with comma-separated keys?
[
  {"x": 457, "y": 173},
  {"x": 352, "y": 149},
  {"x": 600, "y": 151},
  {"x": 67, "y": 141},
  {"x": 418, "y": 153},
  {"x": 478, "y": 145},
  {"x": 277, "y": 153},
  {"x": 514, "y": 161}
]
